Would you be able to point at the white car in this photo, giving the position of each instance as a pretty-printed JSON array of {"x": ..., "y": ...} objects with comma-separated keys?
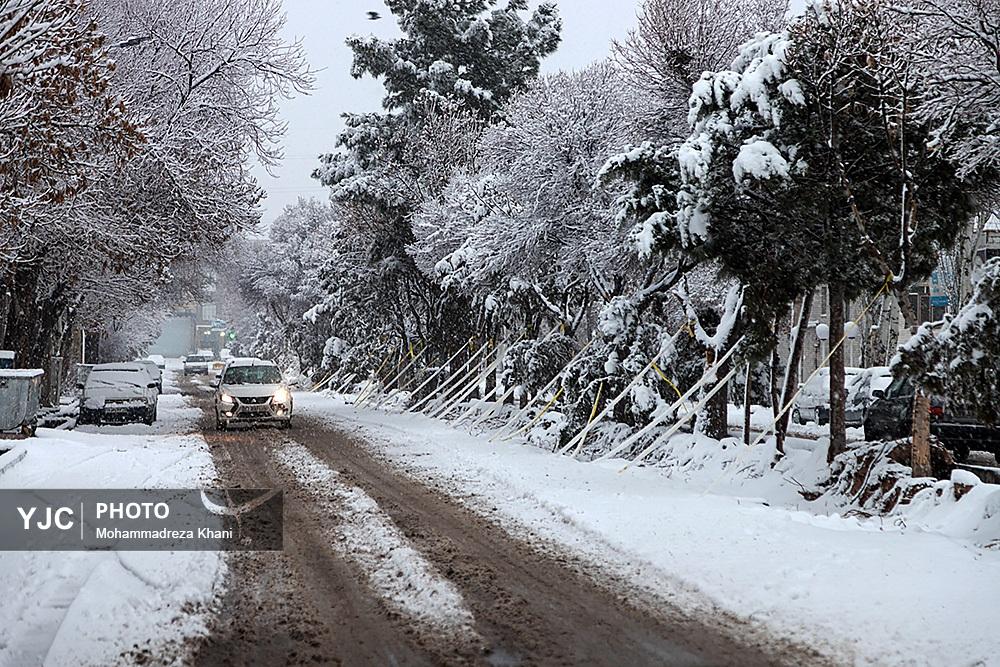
[
  {"x": 861, "y": 392},
  {"x": 158, "y": 359},
  {"x": 197, "y": 364},
  {"x": 813, "y": 402},
  {"x": 252, "y": 391},
  {"x": 118, "y": 393}
]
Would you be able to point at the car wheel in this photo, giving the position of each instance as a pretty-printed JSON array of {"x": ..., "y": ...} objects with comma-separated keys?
[
  {"x": 221, "y": 425},
  {"x": 287, "y": 424},
  {"x": 150, "y": 417}
]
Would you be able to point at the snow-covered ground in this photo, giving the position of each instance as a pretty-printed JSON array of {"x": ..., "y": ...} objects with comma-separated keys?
[
  {"x": 914, "y": 589},
  {"x": 76, "y": 608}
]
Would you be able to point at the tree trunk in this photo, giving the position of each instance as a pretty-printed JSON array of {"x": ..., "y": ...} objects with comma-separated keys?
[
  {"x": 791, "y": 379},
  {"x": 5, "y": 297},
  {"x": 920, "y": 448},
  {"x": 838, "y": 423},
  {"x": 746, "y": 409},
  {"x": 712, "y": 418},
  {"x": 920, "y": 434}
]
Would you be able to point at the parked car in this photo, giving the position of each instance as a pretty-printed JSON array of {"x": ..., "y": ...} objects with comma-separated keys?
[
  {"x": 861, "y": 392},
  {"x": 813, "y": 402},
  {"x": 118, "y": 393},
  {"x": 158, "y": 359},
  {"x": 197, "y": 364},
  {"x": 890, "y": 416},
  {"x": 252, "y": 391},
  {"x": 154, "y": 372}
]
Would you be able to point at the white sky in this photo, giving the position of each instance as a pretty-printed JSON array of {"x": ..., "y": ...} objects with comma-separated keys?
[{"x": 323, "y": 25}]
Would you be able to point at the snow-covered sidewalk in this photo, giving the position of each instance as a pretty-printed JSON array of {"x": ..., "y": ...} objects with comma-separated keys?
[
  {"x": 861, "y": 591},
  {"x": 75, "y": 608}
]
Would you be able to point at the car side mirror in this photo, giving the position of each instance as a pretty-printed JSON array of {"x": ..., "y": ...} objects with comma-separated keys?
[
  {"x": 151, "y": 385},
  {"x": 214, "y": 382},
  {"x": 878, "y": 393},
  {"x": 80, "y": 385}
]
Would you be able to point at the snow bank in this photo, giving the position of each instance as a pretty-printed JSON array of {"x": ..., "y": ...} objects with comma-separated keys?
[{"x": 719, "y": 530}]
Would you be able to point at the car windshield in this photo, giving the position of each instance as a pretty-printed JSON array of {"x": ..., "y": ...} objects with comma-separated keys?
[
  {"x": 196, "y": 358},
  {"x": 252, "y": 375},
  {"x": 113, "y": 378}
]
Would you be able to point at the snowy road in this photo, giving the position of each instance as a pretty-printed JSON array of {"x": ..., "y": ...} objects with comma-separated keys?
[
  {"x": 380, "y": 569},
  {"x": 409, "y": 542}
]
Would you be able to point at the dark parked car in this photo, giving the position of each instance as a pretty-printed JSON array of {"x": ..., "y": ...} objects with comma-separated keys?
[
  {"x": 117, "y": 394},
  {"x": 890, "y": 417}
]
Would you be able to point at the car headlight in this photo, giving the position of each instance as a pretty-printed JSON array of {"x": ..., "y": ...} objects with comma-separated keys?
[
  {"x": 226, "y": 398},
  {"x": 281, "y": 396}
]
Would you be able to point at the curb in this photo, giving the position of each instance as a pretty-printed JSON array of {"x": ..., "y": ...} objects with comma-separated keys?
[{"x": 9, "y": 459}]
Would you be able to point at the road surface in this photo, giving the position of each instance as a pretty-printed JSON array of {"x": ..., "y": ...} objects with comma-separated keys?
[{"x": 315, "y": 604}]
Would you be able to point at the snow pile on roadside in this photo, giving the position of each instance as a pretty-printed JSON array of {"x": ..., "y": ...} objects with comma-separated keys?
[
  {"x": 722, "y": 533},
  {"x": 366, "y": 535},
  {"x": 101, "y": 608},
  {"x": 962, "y": 508}
]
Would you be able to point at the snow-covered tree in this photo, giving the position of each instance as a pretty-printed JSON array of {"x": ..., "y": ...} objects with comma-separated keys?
[
  {"x": 280, "y": 279},
  {"x": 675, "y": 41},
  {"x": 197, "y": 82},
  {"x": 445, "y": 78},
  {"x": 530, "y": 228},
  {"x": 957, "y": 44},
  {"x": 808, "y": 164},
  {"x": 959, "y": 357}
]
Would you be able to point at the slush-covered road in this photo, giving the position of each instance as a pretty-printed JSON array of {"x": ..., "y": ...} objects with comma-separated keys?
[{"x": 380, "y": 569}]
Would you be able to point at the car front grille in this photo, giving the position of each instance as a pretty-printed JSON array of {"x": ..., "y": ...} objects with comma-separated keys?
[{"x": 253, "y": 400}]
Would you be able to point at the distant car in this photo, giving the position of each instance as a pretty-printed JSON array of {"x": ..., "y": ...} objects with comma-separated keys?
[
  {"x": 252, "y": 391},
  {"x": 118, "y": 393},
  {"x": 197, "y": 364},
  {"x": 890, "y": 417},
  {"x": 215, "y": 368},
  {"x": 861, "y": 392},
  {"x": 158, "y": 359},
  {"x": 154, "y": 372},
  {"x": 813, "y": 402}
]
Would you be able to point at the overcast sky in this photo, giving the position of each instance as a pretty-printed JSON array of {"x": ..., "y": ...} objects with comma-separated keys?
[{"x": 323, "y": 25}]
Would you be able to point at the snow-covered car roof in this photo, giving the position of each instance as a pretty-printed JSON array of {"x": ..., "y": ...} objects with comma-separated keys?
[
  {"x": 139, "y": 377},
  {"x": 248, "y": 361}
]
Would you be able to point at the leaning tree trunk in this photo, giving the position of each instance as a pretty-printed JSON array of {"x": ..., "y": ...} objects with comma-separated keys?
[
  {"x": 838, "y": 421},
  {"x": 791, "y": 381}
]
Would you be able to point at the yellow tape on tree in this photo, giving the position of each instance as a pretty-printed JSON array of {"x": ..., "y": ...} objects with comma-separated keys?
[{"x": 593, "y": 413}]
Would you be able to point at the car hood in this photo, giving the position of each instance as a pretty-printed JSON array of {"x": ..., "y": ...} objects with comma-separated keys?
[{"x": 245, "y": 390}]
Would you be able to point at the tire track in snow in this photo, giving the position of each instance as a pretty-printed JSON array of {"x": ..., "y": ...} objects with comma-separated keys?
[{"x": 365, "y": 535}]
